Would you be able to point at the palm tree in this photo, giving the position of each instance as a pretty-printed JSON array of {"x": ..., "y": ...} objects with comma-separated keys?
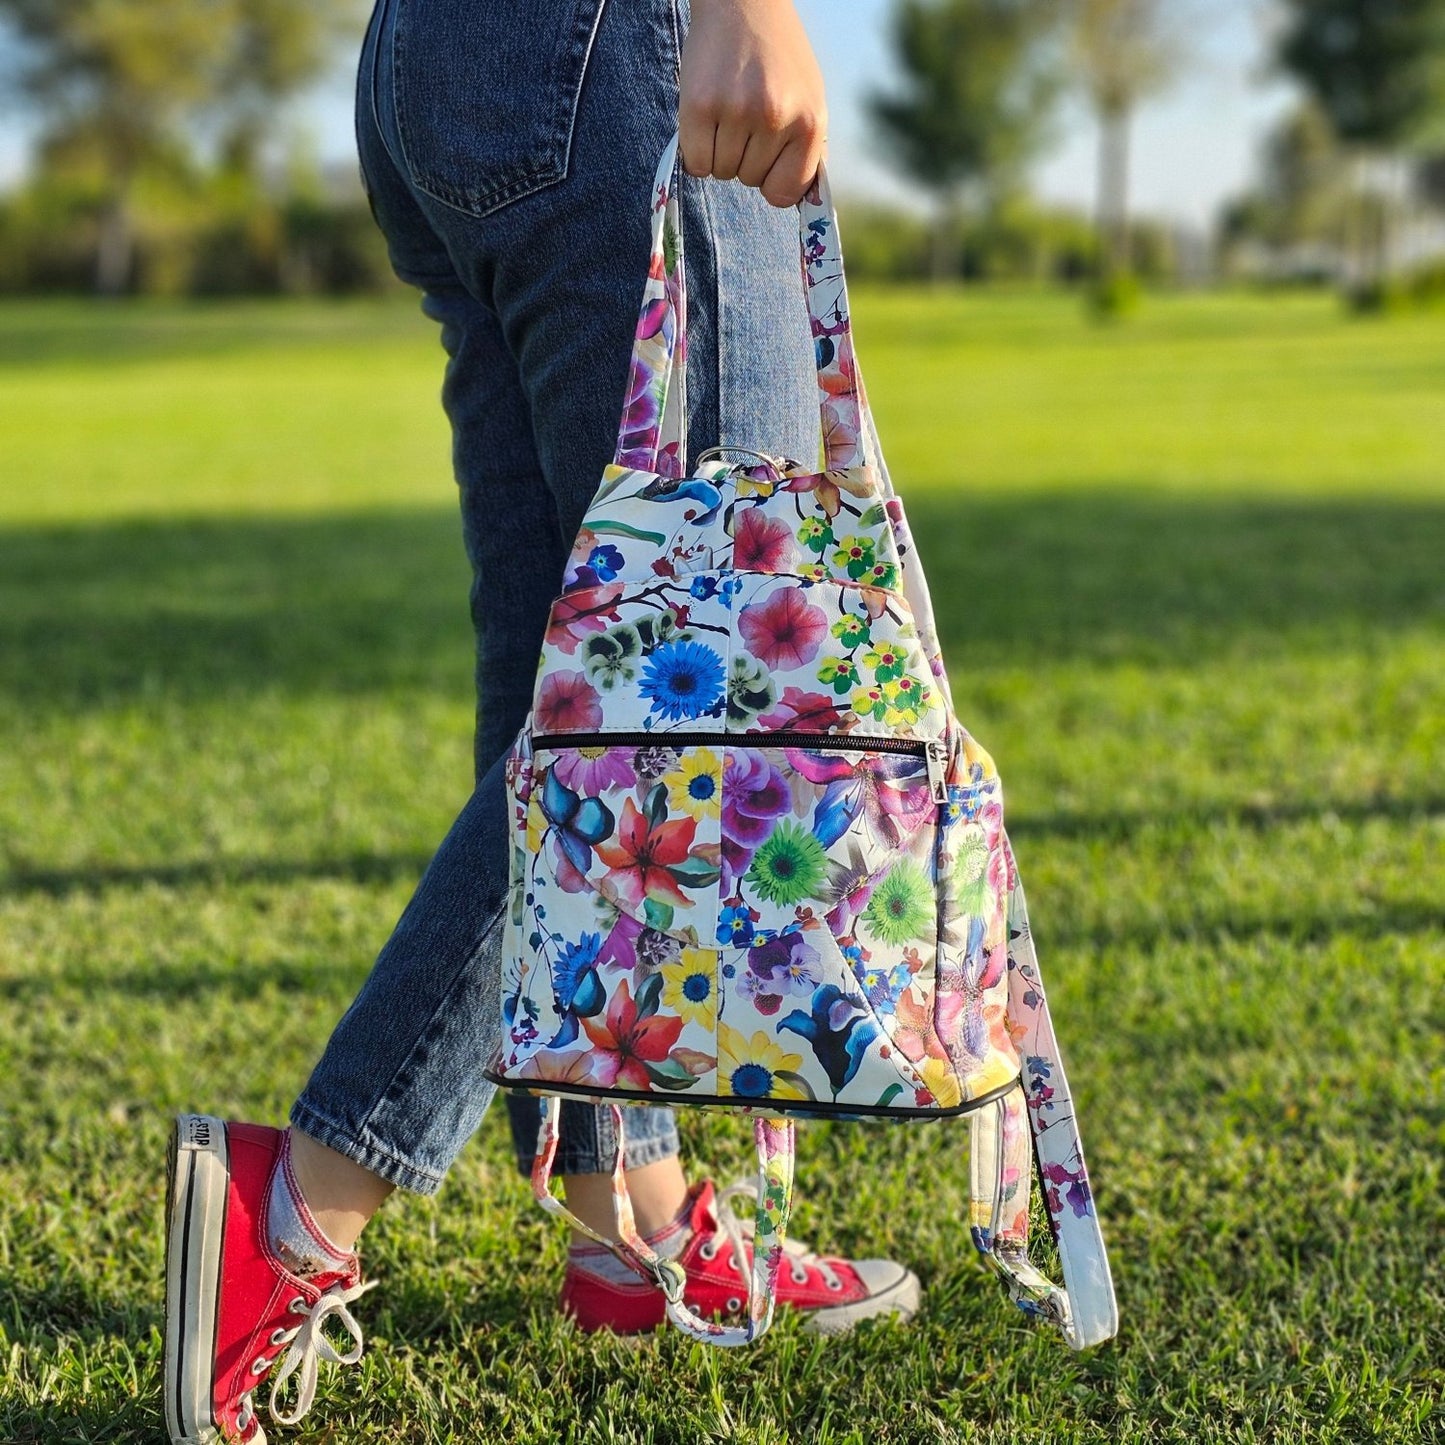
[{"x": 1126, "y": 51}]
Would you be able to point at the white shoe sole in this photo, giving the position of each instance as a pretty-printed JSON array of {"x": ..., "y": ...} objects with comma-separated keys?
[
  {"x": 198, "y": 1185},
  {"x": 900, "y": 1300}
]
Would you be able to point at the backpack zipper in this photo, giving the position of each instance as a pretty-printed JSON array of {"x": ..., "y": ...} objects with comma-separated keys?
[{"x": 934, "y": 753}]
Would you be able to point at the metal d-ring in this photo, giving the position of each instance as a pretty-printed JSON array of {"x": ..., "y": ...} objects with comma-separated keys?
[{"x": 777, "y": 464}]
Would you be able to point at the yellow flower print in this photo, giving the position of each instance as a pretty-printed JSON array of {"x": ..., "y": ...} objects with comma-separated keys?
[
  {"x": 689, "y": 986},
  {"x": 536, "y": 823},
  {"x": 902, "y": 700},
  {"x": 749, "y": 1068},
  {"x": 940, "y": 1081},
  {"x": 755, "y": 486},
  {"x": 695, "y": 788}
]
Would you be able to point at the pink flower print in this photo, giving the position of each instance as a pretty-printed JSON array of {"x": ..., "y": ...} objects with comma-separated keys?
[
  {"x": 755, "y": 796},
  {"x": 641, "y": 856},
  {"x": 812, "y": 712},
  {"x": 755, "y": 793},
  {"x": 620, "y": 946},
  {"x": 784, "y": 632},
  {"x": 761, "y": 544},
  {"x": 624, "y": 1044},
  {"x": 568, "y": 704},
  {"x": 650, "y": 322},
  {"x": 574, "y": 616},
  {"x": 824, "y": 488},
  {"x": 997, "y": 874},
  {"x": 551, "y": 1067},
  {"x": 991, "y": 816},
  {"x": 592, "y": 771}
]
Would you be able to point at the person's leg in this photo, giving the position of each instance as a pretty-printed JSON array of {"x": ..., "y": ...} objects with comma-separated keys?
[{"x": 399, "y": 1090}]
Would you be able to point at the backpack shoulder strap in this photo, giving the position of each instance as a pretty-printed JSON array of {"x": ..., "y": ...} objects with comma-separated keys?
[{"x": 1034, "y": 1127}]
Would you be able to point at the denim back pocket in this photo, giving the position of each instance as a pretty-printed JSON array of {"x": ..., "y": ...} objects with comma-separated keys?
[{"x": 486, "y": 94}]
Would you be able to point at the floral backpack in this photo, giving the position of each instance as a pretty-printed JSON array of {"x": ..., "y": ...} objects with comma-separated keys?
[{"x": 758, "y": 865}]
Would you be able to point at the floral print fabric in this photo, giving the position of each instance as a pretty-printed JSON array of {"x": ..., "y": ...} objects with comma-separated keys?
[{"x": 754, "y": 923}]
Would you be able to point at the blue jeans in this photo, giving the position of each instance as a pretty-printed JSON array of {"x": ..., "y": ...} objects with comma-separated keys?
[{"x": 507, "y": 150}]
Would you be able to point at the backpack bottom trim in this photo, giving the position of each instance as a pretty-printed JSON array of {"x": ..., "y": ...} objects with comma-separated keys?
[{"x": 733, "y": 1104}]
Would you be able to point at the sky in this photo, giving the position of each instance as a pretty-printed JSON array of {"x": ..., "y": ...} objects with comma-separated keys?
[{"x": 1193, "y": 148}]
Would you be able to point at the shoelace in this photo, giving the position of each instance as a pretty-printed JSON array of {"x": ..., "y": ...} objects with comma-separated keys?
[
  {"x": 308, "y": 1346},
  {"x": 740, "y": 1231}
]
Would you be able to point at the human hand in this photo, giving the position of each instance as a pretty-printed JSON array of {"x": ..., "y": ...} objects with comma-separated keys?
[{"x": 752, "y": 103}]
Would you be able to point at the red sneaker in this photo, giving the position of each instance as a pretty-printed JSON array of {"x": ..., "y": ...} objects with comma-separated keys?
[
  {"x": 834, "y": 1293},
  {"x": 232, "y": 1309}
]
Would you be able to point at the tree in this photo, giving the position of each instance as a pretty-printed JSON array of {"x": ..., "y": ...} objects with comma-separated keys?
[
  {"x": 121, "y": 81},
  {"x": 977, "y": 89},
  {"x": 1302, "y": 175},
  {"x": 1126, "y": 50},
  {"x": 1376, "y": 67},
  {"x": 1299, "y": 209},
  {"x": 1377, "y": 70}
]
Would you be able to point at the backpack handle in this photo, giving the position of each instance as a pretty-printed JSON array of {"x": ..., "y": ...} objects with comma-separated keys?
[{"x": 652, "y": 432}]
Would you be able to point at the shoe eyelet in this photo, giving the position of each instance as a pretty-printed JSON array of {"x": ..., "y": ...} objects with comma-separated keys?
[
  {"x": 734, "y": 1305},
  {"x": 707, "y": 1251},
  {"x": 733, "y": 1263},
  {"x": 298, "y": 1306},
  {"x": 800, "y": 1276},
  {"x": 260, "y": 1365},
  {"x": 278, "y": 1337},
  {"x": 835, "y": 1283}
]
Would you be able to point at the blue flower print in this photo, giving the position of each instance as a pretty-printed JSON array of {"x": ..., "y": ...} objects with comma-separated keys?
[
  {"x": 574, "y": 977},
  {"x": 605, "y": 562},
  {"x": 683, "y": 680},
  {"x": 735, "y": 926},
  {"x": 839, "y": 1031}
]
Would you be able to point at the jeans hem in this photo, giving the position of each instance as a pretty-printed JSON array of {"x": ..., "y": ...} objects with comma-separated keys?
[{"x": 400, "y": 1172}]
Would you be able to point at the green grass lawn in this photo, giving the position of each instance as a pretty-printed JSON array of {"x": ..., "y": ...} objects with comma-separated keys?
[{"x": 1191, "y": 574}]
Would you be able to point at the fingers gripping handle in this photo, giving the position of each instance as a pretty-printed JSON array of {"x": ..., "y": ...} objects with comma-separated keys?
[
  {"x": 652, "y": 433},
  {"x": 776, "y": 1147}
]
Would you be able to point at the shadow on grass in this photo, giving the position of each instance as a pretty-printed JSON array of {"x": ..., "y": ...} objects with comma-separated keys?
[
  {"x": 1121, "y": 828},
  {"x": 1303, "y": 927},
  {"x": 377, "y": 601}
]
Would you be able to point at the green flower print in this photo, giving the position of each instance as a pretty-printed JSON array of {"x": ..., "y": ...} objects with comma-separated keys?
[
  {"x": 838, "y": 673},
  {"x": 906, "y": 697},
  {"x": 815, "y": 534},
  {"x": 791, "y": 866},
  {"x": 970, "y": 870},
  {"x": 886, "y": 660},
  {"x": 851, "y": 631},
  {"x": 855, "y": 554},
  {"x": 610, "y": 657},
  {"x": 901, "y": 909},
  {"x": 971, "y": 858},
  {"x": 750, "y": 689}
]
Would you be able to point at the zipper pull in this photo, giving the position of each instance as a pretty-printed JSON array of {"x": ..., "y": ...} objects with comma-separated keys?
[{"x": 936, "y": 756}]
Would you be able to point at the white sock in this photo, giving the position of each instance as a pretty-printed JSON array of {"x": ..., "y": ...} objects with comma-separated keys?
[
  {"x": 599, "y": 1261},
  {"x": 296, "y": 1239}
]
